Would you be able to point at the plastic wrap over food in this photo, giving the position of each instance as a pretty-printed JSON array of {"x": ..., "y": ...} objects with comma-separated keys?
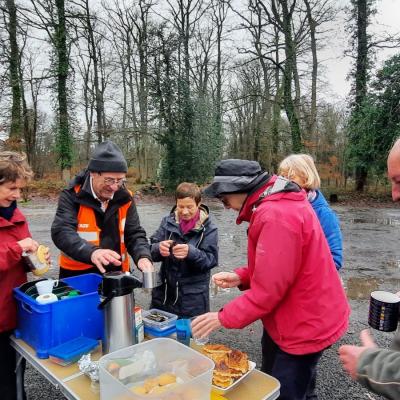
[{"x": 89, "y": 368}]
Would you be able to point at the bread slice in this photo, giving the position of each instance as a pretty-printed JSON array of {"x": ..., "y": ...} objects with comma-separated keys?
[
  {"x": 222, "y": 382},
  {"x": 216, "y": 349},
  {"x": 41, "y": 253},
  {"x": 238, "y": 360},
  {"x": 230, "y": 364}
]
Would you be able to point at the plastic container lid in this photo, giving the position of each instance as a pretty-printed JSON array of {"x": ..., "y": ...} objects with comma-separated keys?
[
  {"x": 167, "y": 320},
  {"x": 167, "y": 355},
  {"x": 159, "y": 333},
  {"x": 73, "y": 348}
]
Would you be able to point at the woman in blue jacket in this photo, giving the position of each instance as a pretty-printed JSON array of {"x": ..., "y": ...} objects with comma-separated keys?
[
  {"x": 301, "y": 169},
  {"x": 186, "y": 243}
]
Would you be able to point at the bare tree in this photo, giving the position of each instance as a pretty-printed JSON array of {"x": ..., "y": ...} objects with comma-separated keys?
[
  {"x": 94, "y": 47},
  {"x": 88, "y": 92},
  {"x": 131, "y": 39},
  {"x": 219, "y": 14},
  {"x": 31, "y": 114}
]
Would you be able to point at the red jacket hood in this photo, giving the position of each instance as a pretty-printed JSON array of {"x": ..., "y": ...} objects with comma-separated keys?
[{"x": 247, "y": 209}]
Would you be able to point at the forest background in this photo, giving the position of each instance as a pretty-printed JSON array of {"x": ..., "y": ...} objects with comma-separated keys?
[{"x": 180, "y": 84}]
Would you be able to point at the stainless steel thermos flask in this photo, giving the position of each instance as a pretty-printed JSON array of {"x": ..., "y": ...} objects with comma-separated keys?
[{"x": 118, "y": 303}]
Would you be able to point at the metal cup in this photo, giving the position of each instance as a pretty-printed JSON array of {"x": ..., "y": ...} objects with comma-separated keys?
[{"x": 150, "y": 279}]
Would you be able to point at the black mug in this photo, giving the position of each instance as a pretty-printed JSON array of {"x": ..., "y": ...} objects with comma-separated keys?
[{"x": 383, "y": 311}]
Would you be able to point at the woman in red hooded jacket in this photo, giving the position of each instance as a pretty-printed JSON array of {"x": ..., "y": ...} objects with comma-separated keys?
[
  {"x": 15, "y": 238},
  {"x": 290, "y": 282}
]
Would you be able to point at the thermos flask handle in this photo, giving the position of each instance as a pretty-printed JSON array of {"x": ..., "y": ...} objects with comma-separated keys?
[{"x": 106, "y": 300}]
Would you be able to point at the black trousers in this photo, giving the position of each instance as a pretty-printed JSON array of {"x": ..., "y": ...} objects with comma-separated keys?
[
  {"x": 8, "y": 379},
  {"x": 296, "y": 373}
]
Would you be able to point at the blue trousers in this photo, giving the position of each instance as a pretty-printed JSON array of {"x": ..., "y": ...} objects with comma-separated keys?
[{"x": 296, "y": 373}]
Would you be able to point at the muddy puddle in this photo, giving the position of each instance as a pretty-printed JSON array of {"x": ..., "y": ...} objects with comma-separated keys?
[{"x": 371, "y": 239}]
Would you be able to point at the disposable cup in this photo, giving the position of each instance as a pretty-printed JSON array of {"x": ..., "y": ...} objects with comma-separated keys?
[
  {"x": 200, "y": 341},
  {"x": 46, "y": 286}
]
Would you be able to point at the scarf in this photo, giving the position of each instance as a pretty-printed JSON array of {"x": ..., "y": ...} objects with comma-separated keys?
[
  {"x": 8, "y": 212},
  {"x": 187, "y": 225}
]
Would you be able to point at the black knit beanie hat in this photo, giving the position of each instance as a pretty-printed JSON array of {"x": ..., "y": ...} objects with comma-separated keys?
[
  {"x": 107, "y": 157},
  {"x": 236, "y": 176}
]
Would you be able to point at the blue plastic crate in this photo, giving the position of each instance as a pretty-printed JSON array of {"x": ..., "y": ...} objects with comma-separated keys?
[{"x": 44, "y": 326}]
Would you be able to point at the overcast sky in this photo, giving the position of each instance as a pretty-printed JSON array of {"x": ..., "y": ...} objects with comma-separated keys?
[{"x": 337, "y": 66}]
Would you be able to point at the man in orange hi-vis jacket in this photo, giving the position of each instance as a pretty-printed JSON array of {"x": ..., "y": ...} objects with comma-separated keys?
[{"x": 97, "y": 226}]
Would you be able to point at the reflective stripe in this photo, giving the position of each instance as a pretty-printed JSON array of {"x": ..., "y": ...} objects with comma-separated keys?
[
  {"x": 89, "y": 236},
  {"x": 122, "y": 229}
]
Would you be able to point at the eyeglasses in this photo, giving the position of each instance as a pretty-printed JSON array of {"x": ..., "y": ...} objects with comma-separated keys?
[{"x": 113, "y": 181}]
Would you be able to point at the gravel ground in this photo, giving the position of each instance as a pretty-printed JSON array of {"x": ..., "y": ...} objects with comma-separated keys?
[{"x": 365, "y": 270}]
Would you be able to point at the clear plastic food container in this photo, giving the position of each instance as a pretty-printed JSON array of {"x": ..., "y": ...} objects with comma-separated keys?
[
  {"x": 159, "y": 319},
  {"x": 160, "y": 369}
]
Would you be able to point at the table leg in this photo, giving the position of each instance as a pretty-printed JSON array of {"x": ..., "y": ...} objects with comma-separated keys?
[{"x": 20, "y": 381}]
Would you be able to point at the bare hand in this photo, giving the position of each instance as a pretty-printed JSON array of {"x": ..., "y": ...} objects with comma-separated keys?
[
  {"x": 204, "y": 324},
  {"x": 180, "y": 251},
  {"x": 101, "y": 257},
  {"x": 28, "y": 245},
  {"x": 226, "y": 279},
  {"x": 349, "y": 355},
  {"x": 48, "y": 260},
  {"x": 366, "y": 339},
  {"x": 145, "y": 265},
  {"x": 165, "y": 247}
]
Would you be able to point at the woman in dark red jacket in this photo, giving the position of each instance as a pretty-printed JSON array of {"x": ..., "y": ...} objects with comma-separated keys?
[{"x": 15, "y": 238}]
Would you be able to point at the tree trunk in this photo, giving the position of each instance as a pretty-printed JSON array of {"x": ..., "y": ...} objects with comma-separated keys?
[
  {"x": 276, "y": 117},
  {"x": 361, "y": 178},
  {"x": 361, "y": 74},
  {"x": 14, "y": 59},
  {"x": 96, "y": 81},
  {"x": 313, "y": 109},
  {"x": 64, "y": 140},
  {"x": 290, "y": 50}
]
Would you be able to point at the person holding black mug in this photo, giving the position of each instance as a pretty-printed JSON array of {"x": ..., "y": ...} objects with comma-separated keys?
[{"x": 376, "y": 368}]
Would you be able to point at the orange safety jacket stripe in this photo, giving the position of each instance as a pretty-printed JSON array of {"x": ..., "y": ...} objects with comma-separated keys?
[{"x": 88, "y": 230}]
